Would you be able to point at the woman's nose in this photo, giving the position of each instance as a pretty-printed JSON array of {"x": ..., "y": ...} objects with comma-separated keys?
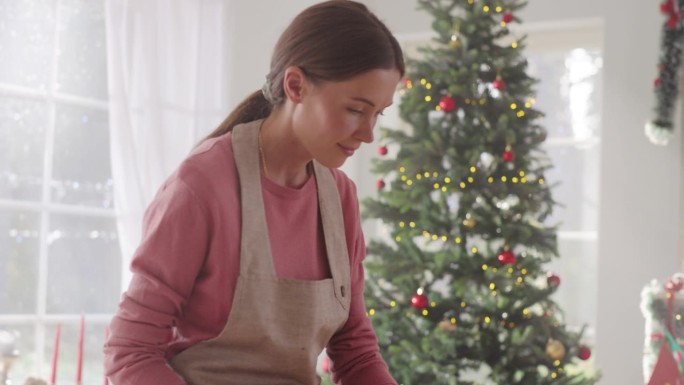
[{"x": 365, "y": 133}]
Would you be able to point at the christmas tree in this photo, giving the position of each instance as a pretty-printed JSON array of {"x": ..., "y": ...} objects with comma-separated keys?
[{"x": 458, "y": 291}]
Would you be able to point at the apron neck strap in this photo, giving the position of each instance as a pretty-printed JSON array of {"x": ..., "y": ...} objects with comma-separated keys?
[
  {"x": 330, "y": 206},
  {"x": 255, "y": 247}
]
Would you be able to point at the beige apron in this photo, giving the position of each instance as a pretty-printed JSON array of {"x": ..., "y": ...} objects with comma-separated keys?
[{"x": 277, "y": 327}]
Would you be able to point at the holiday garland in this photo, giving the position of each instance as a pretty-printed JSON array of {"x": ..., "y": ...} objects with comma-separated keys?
[{"x": 660, "y": 129}]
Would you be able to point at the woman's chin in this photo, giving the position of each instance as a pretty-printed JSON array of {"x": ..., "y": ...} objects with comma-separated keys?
[{"x": 332, "y": 163}]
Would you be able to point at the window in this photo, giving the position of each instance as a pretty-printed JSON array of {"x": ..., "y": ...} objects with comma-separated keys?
[
  {"x": 59, "y": 252},
  {"x": 567, "y": 60}
]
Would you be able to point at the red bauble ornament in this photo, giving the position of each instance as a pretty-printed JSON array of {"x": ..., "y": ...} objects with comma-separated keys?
[
  {"x": 498, "y": 83},
  {"x": 507, "y": 257},
  {"x": 380, "y": 183},
  {"x": 667, "y": 6},
  {"x": 447, "y": 103},
  {"x": 552, "y": 279},
  {"x": 508, "y": 155},
  {"x": 382, "y": 150},
  {"x": 507, "y": 17},
  {"x": 673, "y": 21},
  {"x": 419, "y": 301},
  {"x": 584, "y": 353},
  {"x": 406, "y": 82},
  {"x": 325, "y": 365},
  {"x": 656, "y": 83},
  {"x": 674, "y": 284}
]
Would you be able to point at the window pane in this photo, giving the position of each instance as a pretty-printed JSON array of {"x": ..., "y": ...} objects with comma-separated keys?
[
  {"x": 577, "y": 268},
  {"x": 569, "y": 93},
  {"x": 19, "y": 254},
  {"x": 82, "y": 61},
  {"x": 24, "y": 339},
  {"x": 82, "y": 172},
  {"x": 22, "y": 127},
  {"x": 84, "y": 265},
  {"x": 576, "y": 169},
  {"x": 26, "y": 39}
]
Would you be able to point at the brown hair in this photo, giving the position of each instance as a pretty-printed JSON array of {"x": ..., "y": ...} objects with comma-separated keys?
[{"x": 330, "y": 41}]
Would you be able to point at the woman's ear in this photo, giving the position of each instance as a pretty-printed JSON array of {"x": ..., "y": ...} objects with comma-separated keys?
[{"x": 295, "y": 84}]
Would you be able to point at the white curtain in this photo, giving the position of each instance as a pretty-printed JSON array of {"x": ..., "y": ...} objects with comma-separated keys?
[{"x": 168, "y": 74}]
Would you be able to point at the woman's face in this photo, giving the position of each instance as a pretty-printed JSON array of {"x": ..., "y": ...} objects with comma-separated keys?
[{"x": 333, "y": 119}]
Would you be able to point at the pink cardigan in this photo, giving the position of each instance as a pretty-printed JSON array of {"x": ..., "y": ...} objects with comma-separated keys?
[{"x": 186, "y": 268}]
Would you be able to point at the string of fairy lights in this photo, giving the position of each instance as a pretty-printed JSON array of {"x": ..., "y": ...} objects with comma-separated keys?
[
  {"x": 420, "y": 302},
  {"x": 519, "y": 177},
  {"x": 448, "y": 104},
  {"x": 444, "y": 185},
  {"x": 554, "y": 348}
]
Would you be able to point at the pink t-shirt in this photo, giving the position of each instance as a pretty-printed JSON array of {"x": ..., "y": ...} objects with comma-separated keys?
[{"x": 186, "y": 268}]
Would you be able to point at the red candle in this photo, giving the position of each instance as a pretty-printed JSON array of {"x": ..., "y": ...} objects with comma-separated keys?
[
  {"x": 106, "y": 380},
  {"x": 79, "y": 353},
  {"x": 55, "y": 354}
]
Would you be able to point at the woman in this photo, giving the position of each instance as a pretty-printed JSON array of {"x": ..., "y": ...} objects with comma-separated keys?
[{"x": 250, "y": 263}]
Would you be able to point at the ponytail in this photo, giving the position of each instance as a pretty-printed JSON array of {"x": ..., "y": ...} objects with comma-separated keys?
[{"x": 254, "y": 107}]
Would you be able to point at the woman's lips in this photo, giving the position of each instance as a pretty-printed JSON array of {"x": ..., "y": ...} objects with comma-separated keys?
[{"x": 347, "y": 150}]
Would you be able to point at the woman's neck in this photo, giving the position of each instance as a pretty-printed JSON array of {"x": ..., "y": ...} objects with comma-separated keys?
[{"x": 282, "y": 157}]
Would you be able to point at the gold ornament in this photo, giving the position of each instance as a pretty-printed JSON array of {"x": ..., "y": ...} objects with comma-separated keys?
[
  {"x": 447, "y": 325},
  {"x": 455, "y": 41},
  {"x": 555, "y": 349},
  {"x": 469, "y": 223}
]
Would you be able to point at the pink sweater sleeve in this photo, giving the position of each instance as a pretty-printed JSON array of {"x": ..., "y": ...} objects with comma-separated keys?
[
  {"x": 164, "y": 267},
  {"x": 354, "y": 349}
]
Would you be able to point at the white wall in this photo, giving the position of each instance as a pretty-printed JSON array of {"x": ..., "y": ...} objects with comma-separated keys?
[
  {"x": 640, "y": 222},
  {"x": 258, "y": 24}
]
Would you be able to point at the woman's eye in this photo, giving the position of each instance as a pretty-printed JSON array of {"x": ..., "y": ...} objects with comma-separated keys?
[{"x": 354, "y": 111}]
